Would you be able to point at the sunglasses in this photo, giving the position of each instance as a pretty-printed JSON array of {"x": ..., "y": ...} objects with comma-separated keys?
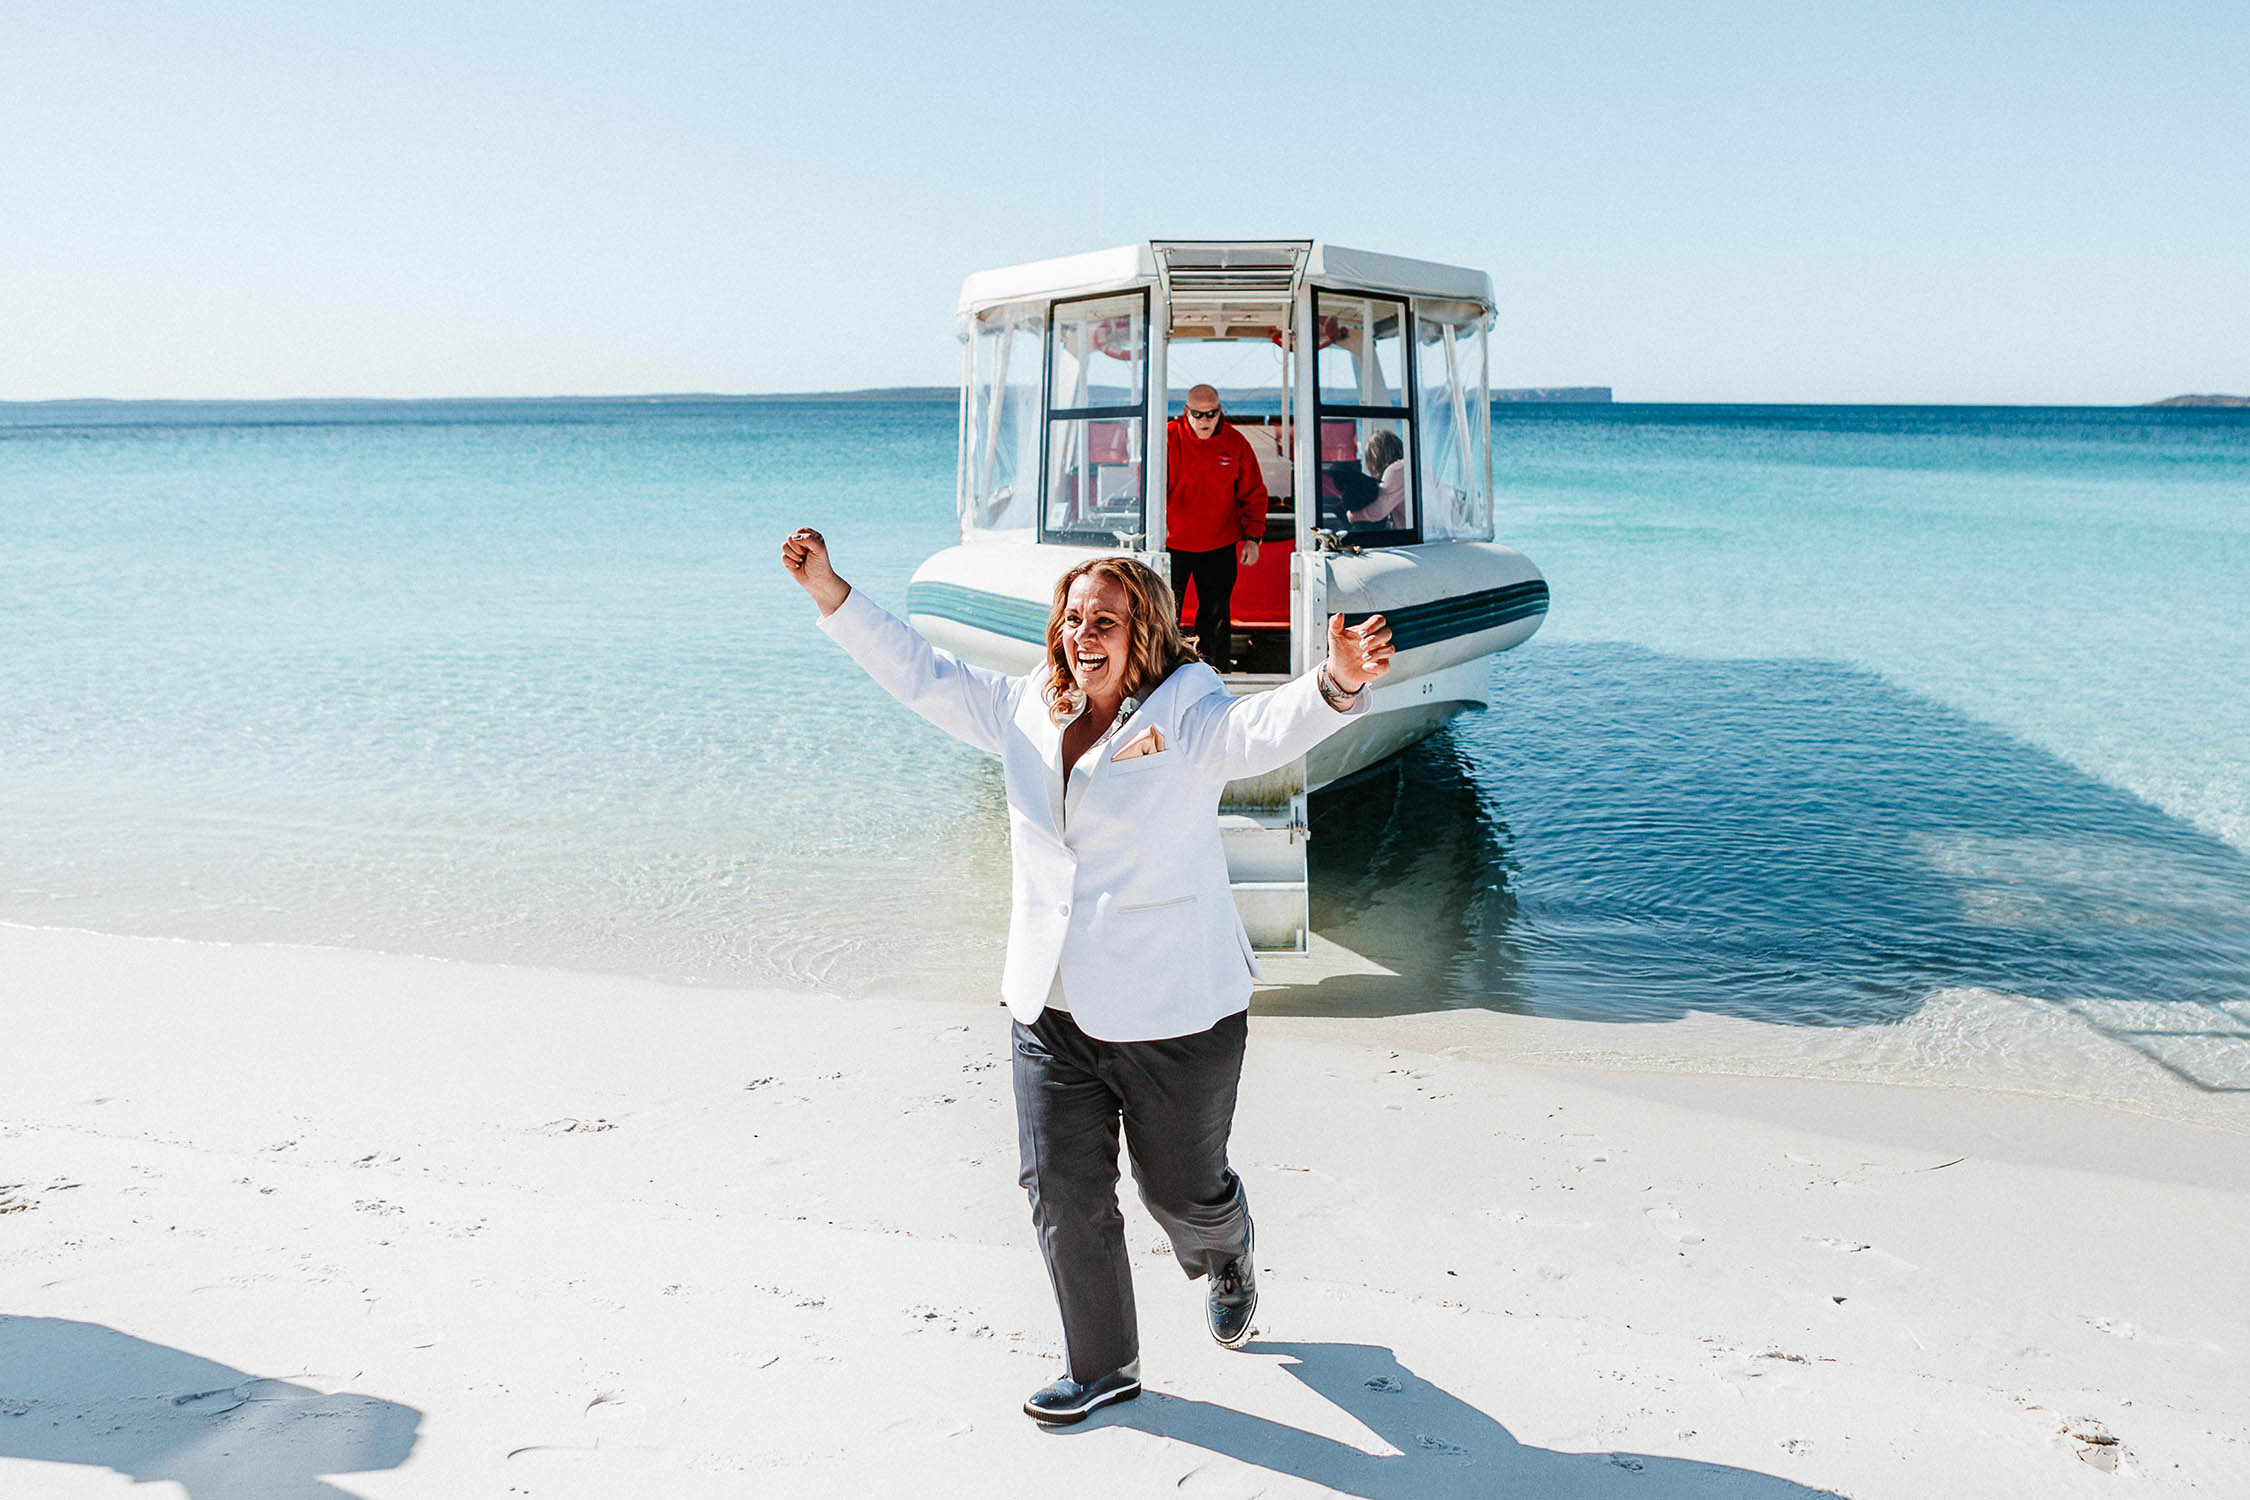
[{"x": 1209, "y": 414}]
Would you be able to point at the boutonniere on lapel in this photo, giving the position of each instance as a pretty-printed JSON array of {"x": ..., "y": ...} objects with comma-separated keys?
[{"x": 1148, "y": 742}]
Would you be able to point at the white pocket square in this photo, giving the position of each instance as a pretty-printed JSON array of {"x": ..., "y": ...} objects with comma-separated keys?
[{"x": 1148, "y": 742}]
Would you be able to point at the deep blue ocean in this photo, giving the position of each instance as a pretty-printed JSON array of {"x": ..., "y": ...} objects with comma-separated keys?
[{"x": 1856, "y": 724}]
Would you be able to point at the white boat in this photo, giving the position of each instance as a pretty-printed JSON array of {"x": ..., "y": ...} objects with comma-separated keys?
[{"x": 1315, "y": 350}]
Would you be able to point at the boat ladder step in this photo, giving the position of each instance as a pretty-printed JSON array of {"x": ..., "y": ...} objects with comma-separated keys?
[{"x": 1266, "y": 867}]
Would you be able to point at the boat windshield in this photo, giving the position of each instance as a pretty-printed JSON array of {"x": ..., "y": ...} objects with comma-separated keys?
[
  {"x": 1363, "y": 400},
  {"x": 1097, "y": 384}
]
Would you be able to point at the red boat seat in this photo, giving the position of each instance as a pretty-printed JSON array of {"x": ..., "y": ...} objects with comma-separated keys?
[{"x": 1261, "y": 591}]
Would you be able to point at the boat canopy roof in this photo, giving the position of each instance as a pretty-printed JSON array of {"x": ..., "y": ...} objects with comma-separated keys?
[{"x": 1226, "y": 264}]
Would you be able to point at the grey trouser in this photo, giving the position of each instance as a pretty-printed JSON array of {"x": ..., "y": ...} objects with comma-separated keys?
[{"x": 1176, "y": 1099}]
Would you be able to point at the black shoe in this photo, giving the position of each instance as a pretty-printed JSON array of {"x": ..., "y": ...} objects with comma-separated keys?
[
  {"x": 1068, "y": 1401},
  {"x": 1234, "y": 1297}
]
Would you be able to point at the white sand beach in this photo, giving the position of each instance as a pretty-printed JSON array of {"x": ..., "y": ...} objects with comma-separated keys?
[{"x": 285, "y": 1223}]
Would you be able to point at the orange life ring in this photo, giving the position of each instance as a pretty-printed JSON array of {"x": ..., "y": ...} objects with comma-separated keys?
[{"x": 1119, "y": 338}]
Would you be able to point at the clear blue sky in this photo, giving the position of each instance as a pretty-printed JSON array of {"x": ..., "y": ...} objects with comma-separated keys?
[{"x": 1753, "y": 202}]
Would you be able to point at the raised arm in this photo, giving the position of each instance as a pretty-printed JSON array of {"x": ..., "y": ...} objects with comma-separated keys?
[
  {"x": 1236, "y": 737},
  {"x": 804, "y": 552},
  {"x": 970, "y": 703}
]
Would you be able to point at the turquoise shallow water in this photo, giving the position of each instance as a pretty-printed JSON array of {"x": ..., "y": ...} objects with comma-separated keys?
[{"x": 1839, "y": 712}]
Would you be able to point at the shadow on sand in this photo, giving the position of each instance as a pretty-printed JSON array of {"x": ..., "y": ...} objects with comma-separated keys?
[
  {"x": 1446, "y": 1447},
  {"x": 1630, "y": 836},
  {"x": 80, "y": 1393}
]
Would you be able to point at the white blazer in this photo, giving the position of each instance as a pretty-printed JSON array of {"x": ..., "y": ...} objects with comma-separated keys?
[{"x": 1129, "y": 900}]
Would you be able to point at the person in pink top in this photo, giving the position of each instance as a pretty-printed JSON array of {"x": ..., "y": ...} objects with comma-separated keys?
[
  {"x": 1384, "y": 459},
  {"x": 1214, "y": 516}
]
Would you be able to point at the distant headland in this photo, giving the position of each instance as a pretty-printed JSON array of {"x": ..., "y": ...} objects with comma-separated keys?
[
  {"x": 946, "y": 393},
  {"x": 2203, "y": 401},
  {"x": 1597, "y": 393}
]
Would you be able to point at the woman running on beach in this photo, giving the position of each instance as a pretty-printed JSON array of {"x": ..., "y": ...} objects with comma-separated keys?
[{"x": 1128, "y": 972}]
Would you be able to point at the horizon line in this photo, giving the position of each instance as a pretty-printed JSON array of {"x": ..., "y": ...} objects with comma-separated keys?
[{"x": 1513, "y": 395}]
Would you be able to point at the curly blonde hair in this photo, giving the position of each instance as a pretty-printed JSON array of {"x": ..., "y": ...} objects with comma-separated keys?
[{"x": 1158, "y": 647}]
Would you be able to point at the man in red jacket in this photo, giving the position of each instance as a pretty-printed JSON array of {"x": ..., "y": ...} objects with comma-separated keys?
[{"x": 1214, "y": 514}]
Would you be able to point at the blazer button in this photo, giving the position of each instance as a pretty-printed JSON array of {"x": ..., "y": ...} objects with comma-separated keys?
[{"x": 1063, "y": 909}]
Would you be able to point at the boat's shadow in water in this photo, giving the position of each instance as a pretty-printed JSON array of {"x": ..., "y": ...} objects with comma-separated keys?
[{"x": 1629, "y": 836}]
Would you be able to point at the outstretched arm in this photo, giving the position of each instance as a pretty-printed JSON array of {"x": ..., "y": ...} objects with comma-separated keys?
[
  {"x": 1250, "y": 735},
  {"x": 968, "y": 702}
]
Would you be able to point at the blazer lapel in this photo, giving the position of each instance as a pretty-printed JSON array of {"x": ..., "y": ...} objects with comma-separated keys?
[{"x": 1045, "y": 737}]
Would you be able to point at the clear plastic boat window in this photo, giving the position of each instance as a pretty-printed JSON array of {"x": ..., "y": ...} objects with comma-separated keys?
[
  {"x": 1094, "y": 481},
  {"x": 1454, "y": 416},
  {"x": 1366, "y": 476},
  {"x": 1362, "y": 344},
  {"x": 1000, "y": 475},
  {"x": 1100, "y": 352}
]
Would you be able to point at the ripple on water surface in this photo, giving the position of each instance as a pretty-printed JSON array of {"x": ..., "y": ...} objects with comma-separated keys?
[{"x": 1628, "y": 837}]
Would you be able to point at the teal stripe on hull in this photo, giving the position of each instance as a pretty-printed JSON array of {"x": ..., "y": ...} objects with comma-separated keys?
[
  {"x": 1412, "y": 625},
  {"x": 1017, "y": 619},
  {"x": 1465, "y": 614}
]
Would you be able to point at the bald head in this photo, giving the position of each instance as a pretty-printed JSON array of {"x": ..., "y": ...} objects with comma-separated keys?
[{"x": 1203, "y": 410}]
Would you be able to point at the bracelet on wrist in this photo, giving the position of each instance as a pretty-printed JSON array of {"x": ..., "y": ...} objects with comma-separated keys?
[{"x": 1332, "y": 691}]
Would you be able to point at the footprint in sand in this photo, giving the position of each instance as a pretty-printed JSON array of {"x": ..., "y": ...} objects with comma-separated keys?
[
  {"x": 1518, "y": 1216},
  {"x": 615, "y": 1416},
  {"x": 1222, "y": 1480},
  {"x": 942, "y": 1320},
  {"x": 2096, "y": 1445},
  {"x": 410, "y": 1324},
  {"x": 1589, "y": 1146},
  {"x": 582, "y": 1457},
  {"x": 925, "y": 1429},
  {"x": 1849, "y": 1247},
  {"x": 1878, "y": 1265},
  {"x": 1667, "y": 1222},
  {"x": 615, "y": 1425},
  {"x": 572, "y": 1126}
]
